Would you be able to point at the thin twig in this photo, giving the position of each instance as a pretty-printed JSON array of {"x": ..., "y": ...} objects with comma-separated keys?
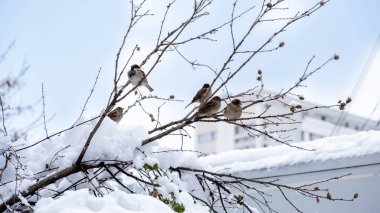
[{"x": 88, "y": 97}]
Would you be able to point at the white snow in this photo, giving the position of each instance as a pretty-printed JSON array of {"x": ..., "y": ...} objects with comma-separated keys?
[
  {"x": 123, "y": 143},
  {"x": 116, "y": 202},
  {"x": 110, "y": 142},
  {"x": 166, "y": 187},
  {"x": 364, "y": 143},
  {"x": 166, "y": 157}
]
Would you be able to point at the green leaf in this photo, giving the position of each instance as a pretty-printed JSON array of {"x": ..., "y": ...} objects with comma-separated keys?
[
  {"x": 178, "y": 207},
  {"x": 149, "y": 167},
  {"x": 155, "y": 166},
  {"x": 166, "y": 201}
]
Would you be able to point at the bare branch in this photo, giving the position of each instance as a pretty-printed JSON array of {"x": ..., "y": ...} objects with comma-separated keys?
[{"x": 88, "y": 97}]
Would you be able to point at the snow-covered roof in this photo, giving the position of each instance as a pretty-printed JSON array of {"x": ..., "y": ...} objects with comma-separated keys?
[{"x": 332, "y": 148}]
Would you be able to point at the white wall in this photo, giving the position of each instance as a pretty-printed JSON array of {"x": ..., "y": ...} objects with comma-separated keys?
[{"x": 364, "y": 179}]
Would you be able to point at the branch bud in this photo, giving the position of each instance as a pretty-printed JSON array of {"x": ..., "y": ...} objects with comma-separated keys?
[
  {"x": 342, "y": 106},
  {"x": 292, "y": 109},
  {"x": 356, "y": 195},
  {"x": 239, "y": 199},
  {"x": 328, "y": 196}
]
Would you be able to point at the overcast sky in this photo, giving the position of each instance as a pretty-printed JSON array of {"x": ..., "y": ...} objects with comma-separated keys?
[{"x": 65, "y": 43}]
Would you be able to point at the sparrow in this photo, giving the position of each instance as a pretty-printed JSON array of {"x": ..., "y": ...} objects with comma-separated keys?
[
  {"x": 137, "y": 76},
  {"x": 116, "y": 114},
  {"x": 233, "y": 110},
  {"x": 211, "y": 107},
  {"x": 203, "y": 94}
]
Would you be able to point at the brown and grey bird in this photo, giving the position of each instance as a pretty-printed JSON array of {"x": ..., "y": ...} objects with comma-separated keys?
[
  {"x": 203, "y": 94},
  {"x": 211, "y": 107},
  {"x": 137, "y": 77},
  {"x": 233, "y": 110},
  {"x": 116, "y": 114}
]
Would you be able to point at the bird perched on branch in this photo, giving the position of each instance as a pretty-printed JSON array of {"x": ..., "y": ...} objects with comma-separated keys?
[
  {"x": 211, "y": 107},
  {"x": 116, "y": 114},
  {"x": 233, "y": 110},
  {"x": 137, "y": 77},
  {"x": 203, "y": 94}
]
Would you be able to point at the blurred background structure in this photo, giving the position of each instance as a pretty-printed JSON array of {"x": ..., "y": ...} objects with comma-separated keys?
[
  {"x": 216, "y": 137},
  {"x": 312, "y": 125},
  {"x": 355, "y": 157}
]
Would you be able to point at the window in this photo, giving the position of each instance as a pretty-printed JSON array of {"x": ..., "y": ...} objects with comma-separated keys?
[
  {"x": 311, "y": 136},
  {"x": 314, "y": 136},
  {"x": 347, "y": 125},
  {"x": 206, "y": 137},
  {"x": 250, "y": 146},
  {"x": 246, "y": 147},
  {"x": 323, "y": 118},
  {"x": 244, "y": 139},
  {"x": 239, "y": 130},
  {"x": 302, "y": 135}
]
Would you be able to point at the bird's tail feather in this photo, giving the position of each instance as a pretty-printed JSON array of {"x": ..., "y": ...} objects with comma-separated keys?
[
  {"x": 149, "y": 88},
  {"x": 188, "y": 105}
]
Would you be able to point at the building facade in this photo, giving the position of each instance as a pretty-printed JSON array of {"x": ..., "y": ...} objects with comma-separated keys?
[
  {"x": 354, "y": 158},
  {"x": 216, "y": 137}
]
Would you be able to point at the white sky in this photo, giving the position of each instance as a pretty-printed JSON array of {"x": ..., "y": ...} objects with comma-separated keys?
[{"x": 66, "y": 42}]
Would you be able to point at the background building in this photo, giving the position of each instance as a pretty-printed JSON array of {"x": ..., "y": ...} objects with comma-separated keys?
[
  {"x": 218, "y": 137},
  {"x": 356, "y": 157}
]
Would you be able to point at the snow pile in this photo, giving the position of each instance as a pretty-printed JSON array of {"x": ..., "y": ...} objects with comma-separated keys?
[
  {"x": 116, "y": 202},
  {"x": 361, "y": 144},
  {"x": 110, "y": 142},
  {"x": 113, "y": 142},
  {"x": 165, "y": 157}
]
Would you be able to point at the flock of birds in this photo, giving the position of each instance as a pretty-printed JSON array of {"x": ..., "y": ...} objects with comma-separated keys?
[{"x": 233, "y": 110}]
